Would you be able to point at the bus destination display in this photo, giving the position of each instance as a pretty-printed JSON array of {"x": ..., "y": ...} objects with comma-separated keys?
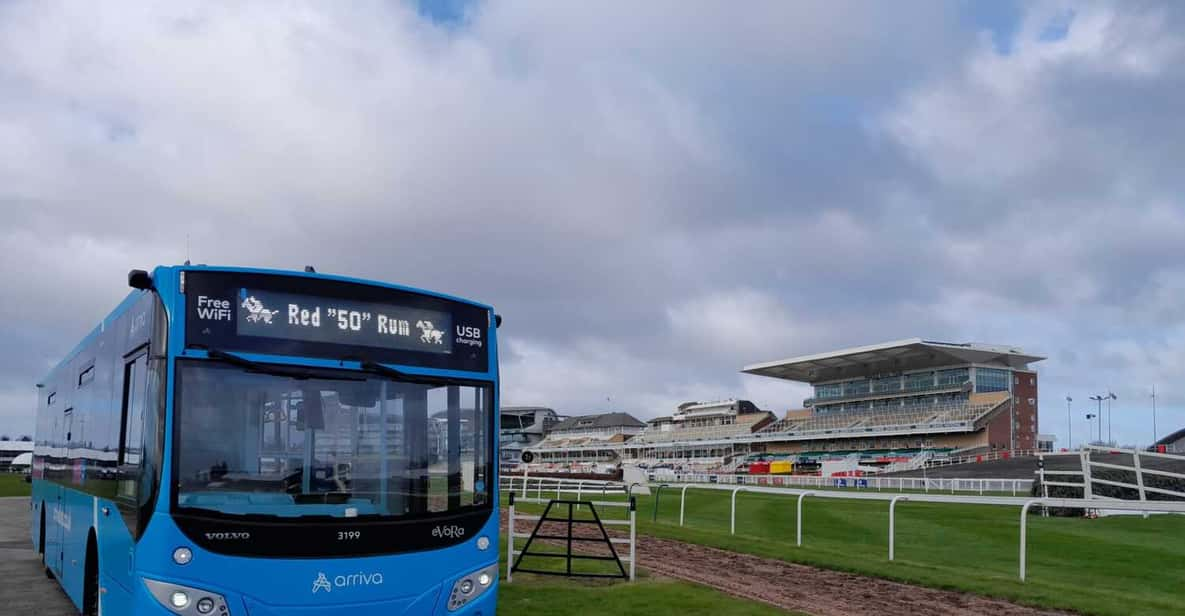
[{"x": 287, "y": 316}]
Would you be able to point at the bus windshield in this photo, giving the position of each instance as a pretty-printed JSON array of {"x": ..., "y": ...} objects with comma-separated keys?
[{"x": 335, "y": 444}]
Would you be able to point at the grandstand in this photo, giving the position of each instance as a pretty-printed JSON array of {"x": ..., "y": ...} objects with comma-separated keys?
[
  {"x": 699, "y": 435},
  {"x": 900, "y": 399},
  {"x": 892, "y": 406},
  {"x": 522, "y": 427},
  {"x": 585, "y": 444}
]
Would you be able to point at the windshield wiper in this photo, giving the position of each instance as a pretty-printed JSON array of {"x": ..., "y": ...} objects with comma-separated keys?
[
  {"x": 377, "y": 368},
  {"x": 293, "y": 372}
]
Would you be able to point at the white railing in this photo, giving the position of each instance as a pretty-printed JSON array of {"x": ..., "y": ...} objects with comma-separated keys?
[
  {"x": 912, "y": 464},
  {"x": 525, "y": 486},
  {"x": 990, "y": 456},
  {"x": 1025, "y": 504},
  {"x": 1015, "y": 487},
  {"x": 1088, "y": 480}
]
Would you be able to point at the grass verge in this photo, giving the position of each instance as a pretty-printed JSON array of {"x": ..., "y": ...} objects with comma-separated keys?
[
  {"x": 14, "y": 485},
  {"x": 1118, "y": 565}
]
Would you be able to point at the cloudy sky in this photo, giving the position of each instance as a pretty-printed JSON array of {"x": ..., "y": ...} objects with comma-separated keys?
[{"x": 653, "y": 194}]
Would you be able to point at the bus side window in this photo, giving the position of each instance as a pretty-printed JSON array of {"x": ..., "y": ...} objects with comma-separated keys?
[{"x": 131, "y": 431}]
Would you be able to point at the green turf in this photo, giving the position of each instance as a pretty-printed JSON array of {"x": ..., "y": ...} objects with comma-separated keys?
[
  {"x": 545, "y": 595},
  {"x": 1122, "y": 565},
  {"x": 14, "y": 485}
]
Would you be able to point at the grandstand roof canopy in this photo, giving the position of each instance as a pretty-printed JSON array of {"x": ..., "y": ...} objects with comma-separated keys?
[
  {"x": 603, "y": 420},
  {"x": 890, "y": 357}
]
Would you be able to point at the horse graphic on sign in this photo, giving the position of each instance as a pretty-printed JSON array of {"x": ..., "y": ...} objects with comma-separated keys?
[
  {"x": 429, "y": 334},
  {"x": 256, "y": 311}
]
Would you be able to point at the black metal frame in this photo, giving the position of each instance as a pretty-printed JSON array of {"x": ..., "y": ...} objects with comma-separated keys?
[{"x": 568, "y": 539}]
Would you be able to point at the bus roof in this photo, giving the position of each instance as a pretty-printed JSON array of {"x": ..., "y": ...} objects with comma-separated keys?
[{"x": 134, "y": 295}]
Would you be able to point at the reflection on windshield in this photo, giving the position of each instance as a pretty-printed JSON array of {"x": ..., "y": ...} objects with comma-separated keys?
[{"x": 348, "y": 445}]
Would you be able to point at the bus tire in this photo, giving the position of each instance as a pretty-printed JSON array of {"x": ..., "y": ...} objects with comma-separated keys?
[{"x": 90, "y": 588}]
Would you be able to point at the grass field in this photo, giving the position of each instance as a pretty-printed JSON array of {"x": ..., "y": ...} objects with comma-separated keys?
[
  {"x": 14, "y": 485},
  {"x": 544, "y": 595},
  {"x": 1121, "y": 565}
]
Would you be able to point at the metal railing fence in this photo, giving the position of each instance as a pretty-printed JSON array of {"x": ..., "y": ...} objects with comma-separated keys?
[
  {"x": 1015, "y": 487},
  {"x": 1025, "y": 504}
]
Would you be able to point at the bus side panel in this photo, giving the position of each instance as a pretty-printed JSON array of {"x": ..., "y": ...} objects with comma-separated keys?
[
  {"x": 115, "y": 558},
  {"x": 75, "y": 523}
]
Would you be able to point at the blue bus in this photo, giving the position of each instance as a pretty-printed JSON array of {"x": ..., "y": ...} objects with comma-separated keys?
[{"x": 238, "y": 441}]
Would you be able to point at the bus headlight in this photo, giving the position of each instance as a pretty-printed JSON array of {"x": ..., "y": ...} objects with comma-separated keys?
[
  {"x": 471, "y": 586},
  {"x": 186, "y": 600}
]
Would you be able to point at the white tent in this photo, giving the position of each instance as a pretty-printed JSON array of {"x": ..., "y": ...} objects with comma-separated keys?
[{"x": 22, "y": 460}]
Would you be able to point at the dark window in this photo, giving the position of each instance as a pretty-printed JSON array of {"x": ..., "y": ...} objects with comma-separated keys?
[
  {"x": 131, "y": 430},
  {"x": 87, "y": 375}
]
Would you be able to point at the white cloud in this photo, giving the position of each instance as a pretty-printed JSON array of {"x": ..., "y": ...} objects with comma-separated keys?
[{"x": 652, "y": 196}]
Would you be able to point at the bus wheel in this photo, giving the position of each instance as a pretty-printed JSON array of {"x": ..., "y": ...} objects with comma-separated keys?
[
  {"x": 41, "y": 544},
  {"x": 90, "y": 590}
]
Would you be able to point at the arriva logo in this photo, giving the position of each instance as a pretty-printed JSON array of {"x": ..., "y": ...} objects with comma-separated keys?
[
  {"x": 61, "y": 517},
  {"x": 345, "y": 581}
]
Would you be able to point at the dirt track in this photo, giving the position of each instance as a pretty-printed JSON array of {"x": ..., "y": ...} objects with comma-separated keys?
[
  {"x": 808, "y": 589},
  {"x": 801, "y": 588}
]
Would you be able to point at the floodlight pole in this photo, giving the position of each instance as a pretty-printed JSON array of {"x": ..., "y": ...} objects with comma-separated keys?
[
  {"x": 1069, "y": 425},
  {"x": 1155, "y": 438},
  {"x": 1099, "y": 414},
  {"x": 1110, "y": 397}
]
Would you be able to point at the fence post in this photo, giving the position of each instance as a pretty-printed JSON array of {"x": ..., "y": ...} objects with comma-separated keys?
[
  {"x": 733, "y": 527},
  {"x": 798, "y": 518},
  {"x": 892, "y": 525},
  {"x": 633, "y": 537},
  {"x": 1044, "y": 486},
  {"x": 1087, "y": 490},
  {"x": 1024, "y": 524},
  {"x": 657, "y": 494},
  {"x": 510, "y": 536},
  {"x": 1139, "y": 476},
  {"x": 525, "y": 476},
  {"x": 682, "y": 502}
]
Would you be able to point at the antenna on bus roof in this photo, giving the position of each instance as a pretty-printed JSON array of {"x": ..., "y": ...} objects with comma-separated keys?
[
  {"x": 187, "y": 249},
  {"x": 309, "y": 269}
]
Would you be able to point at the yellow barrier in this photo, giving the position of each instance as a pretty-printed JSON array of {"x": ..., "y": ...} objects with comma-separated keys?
[{"x": 781, "y": 467}]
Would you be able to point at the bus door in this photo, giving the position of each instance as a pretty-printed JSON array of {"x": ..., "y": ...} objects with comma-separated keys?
[
  {"x": 58, "y": 517},
  {"x": 117, "y": 529}
]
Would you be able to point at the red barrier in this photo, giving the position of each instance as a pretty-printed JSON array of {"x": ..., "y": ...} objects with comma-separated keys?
[{"x": 759, "y": 468}]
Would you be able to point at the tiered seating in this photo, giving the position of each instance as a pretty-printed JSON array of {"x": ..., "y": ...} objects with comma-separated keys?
[
  {"x": 744, "y": 425},
  {"x": 880, "y": 420}
]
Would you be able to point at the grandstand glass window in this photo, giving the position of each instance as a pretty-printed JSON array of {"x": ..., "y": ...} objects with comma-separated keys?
[
  {"x": 829, "y": 390},
  {"x": 956, "y": 376},
  {"x": 886, "y": 384},
  {"x": 852, "y": 388},
  {"x": 917, "y": 381},
  {"x": 991, "y": 379}
]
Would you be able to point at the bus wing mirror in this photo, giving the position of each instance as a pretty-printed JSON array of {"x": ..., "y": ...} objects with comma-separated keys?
[{"x": 139, "y": 279}]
